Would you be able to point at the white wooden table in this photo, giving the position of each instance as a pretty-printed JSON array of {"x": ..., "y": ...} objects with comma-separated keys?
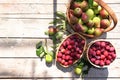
[{"x": 22, "y": 25}]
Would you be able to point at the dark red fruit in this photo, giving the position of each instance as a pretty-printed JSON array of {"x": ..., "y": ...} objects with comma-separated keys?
[
  {"x": 70, "y": 62},
  {"x": 67, "y": 57},
  {"x": 76, "y": 5},
  {"x": 107, "y": 62},
  {"x": 63, "y": 56},
  {"x": 112, "y": 49},
  {"x": 69, "y": 47},
  {"x": 97, "y": 43},
  {"x": 107, "y": 47},
  {"x": 59, "y": 55},
  {"x": 59, "y": 59},
  {"x": 63, "y": 50},
  {"x": 78, "y": 55},
  {"x": 66, "y": 63},
  {"x": 63, "y": 61},
  {"x": 70, "y": 50},
  {"x": 98, "y": 52},
  {"x": 73, "y": 19},
  {"x": 67, "y": 52},
  {"x": 97, "y": 62},
  {"x": 102, "y": 63},
  {"x": 93, "y": 60},
  {"x": 102, "y": 44},
  {"x": 102, "y": 57},
  {"x": 84, "y": 17},
  {"x": 105, "y": 53},
  {"x": 113, "y": 55},
  {"x": 101, "y": 53},
  {"x": 109, "y": 57}
]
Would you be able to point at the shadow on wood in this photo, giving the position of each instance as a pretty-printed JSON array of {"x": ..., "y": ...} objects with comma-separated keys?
[
  {"x": 69, "y": 69},
  {"x": 97, "y": 74}
]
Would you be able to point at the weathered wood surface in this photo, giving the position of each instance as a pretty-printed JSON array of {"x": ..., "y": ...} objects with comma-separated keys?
[{"x": 22, "y": 25}]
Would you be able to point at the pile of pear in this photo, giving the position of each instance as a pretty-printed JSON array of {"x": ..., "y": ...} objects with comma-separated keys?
[{"x": 89, "y": 20}]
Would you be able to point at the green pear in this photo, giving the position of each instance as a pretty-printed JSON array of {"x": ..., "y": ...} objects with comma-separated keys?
[
  {"x": 59, "y": 35},
  {"x": 48, "y": 58},
  {"x": 98, "y": 32},
  {"x": 95, "y": 4},
  {"x": 78, "y": 70},
  {"x": 90, "y": 23},
  {"x": 97, "y": 11},
  {"x": 80, "y": 21},
  {"x": 77, "y": 12},
  {"x": 91, "y": 31},
  {"x": 85, "y": 28},
  {"x": 90, "y": 13},
  {"x": 84, "y": 5},
  {"x": 96, "y": 21}
]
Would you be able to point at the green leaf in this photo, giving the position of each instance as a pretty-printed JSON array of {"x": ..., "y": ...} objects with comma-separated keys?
[
  {"x": 39, "y": 51},
  {"x": 90, "y": 2},
  {"x": 60, "y": 15},
  {"x": 78, "y": 0},
  {"x": 42, "y": 55},
  {"x": 39, "y": 44},
  {"x": 56, "y": 21}
]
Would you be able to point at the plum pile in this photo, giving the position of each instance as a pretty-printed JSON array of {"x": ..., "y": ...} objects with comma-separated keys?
[
  {"x": 101, "y": 53},
  {"x": 89, "y": 20},
  {"x": 70, "y": 50}
]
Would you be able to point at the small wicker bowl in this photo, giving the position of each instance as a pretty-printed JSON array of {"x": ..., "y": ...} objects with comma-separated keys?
[
  {"x": 87, "y": 52},
  {"x": 80, "y": 36},
  {"x": 112, "y": 18}
]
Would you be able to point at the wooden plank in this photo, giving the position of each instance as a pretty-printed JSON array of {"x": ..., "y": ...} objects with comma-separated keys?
[
  {"x": 18, "y": 67},
  {"x": 35, "y": 68},
  {"x": 33, "y": 27},
  {"x": 19, "y": 47},
  {"x": 44, "y": 1},
  {"x": 27, "y": 47},
  {"x": 39, "y": 8},
  {"x": 33, "y": 1}
]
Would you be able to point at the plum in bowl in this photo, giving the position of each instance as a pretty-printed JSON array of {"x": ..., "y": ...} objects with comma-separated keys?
[
  {"x": 70, "y": 50},
  {"x": 101, "y": 53}
]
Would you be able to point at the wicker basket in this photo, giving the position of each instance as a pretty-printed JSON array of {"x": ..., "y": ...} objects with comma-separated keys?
[
  {"x": 80, "y": 36},
  {"x": 88, "y": 47},
  {"x": 112, "y": 17}
]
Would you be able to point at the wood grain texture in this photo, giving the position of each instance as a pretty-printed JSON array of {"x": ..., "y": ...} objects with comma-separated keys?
[
  {"x": 27, "y": 47},
  {"x": 44, "y": 1},
  {"x": 36, "y": 68},
  {"x": 22, "y": 25}
]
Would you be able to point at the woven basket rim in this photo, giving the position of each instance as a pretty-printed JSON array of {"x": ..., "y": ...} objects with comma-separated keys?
[
  {"x": 89, "y": 45},
  {"x": 112, "y": 18},
  {"x": 81, "y": 54}
]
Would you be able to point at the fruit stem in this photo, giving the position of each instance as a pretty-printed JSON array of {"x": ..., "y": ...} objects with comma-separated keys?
[{"x": 45, "y": 51}]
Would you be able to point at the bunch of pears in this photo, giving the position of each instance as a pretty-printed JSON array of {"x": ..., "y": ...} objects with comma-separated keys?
[{"x": 92, "y": 20}]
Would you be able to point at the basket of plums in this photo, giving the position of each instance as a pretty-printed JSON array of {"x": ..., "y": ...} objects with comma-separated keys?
[
  {"x": 100, "y": 53},
  {"x": 91, "y": 19},
  {"x": 71, "y": 50}
]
